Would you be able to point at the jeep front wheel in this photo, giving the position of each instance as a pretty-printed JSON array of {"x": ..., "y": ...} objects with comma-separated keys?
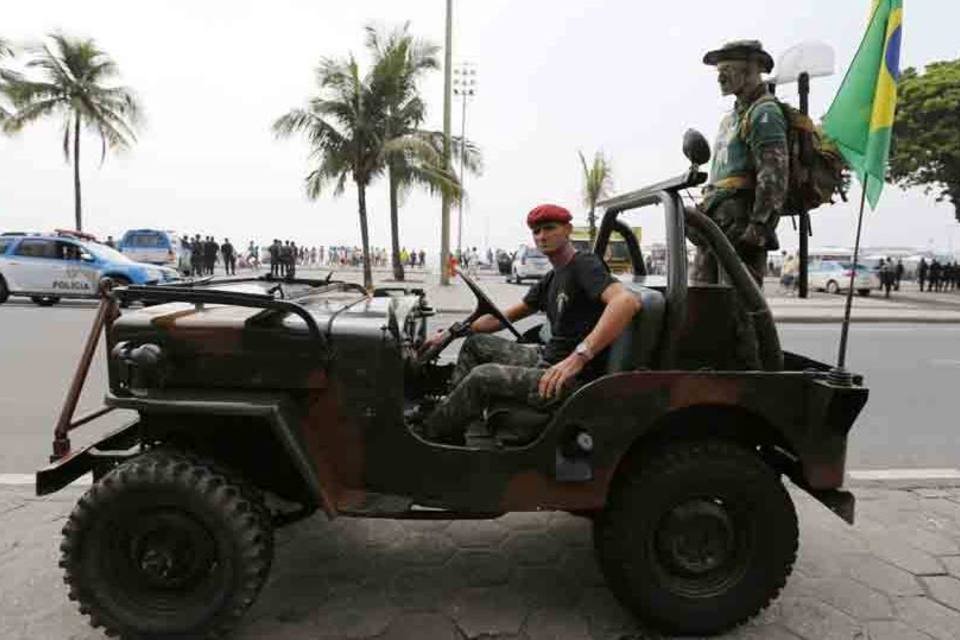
[
  {"x": 166, "y": 546},
  {"x": 697, "y": 537}
]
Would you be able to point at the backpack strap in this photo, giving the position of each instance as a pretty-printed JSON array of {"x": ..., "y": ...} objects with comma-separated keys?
[{"x": 744, "y": 130}]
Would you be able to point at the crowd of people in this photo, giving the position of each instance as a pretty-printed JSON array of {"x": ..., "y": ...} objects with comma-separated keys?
[
  {"x": 201, "y": 255},
  {"x": 937, "y": 276}
]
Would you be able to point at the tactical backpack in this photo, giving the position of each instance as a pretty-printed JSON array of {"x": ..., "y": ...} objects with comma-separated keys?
[{"x": 816, "y": 166}]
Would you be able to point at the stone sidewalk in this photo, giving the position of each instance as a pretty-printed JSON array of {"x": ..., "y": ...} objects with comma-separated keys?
[
  {"x": 906, "y": 306},
  {"x": 895, "y": 575}
]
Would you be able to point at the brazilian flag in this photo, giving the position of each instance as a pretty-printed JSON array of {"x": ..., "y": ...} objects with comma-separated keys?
[{"x": 860, "y": 120}]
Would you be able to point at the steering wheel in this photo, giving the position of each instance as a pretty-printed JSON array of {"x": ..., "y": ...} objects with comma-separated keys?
[
  {"x": 458, "y": 329},
  {"x": 485, "y": 305}
]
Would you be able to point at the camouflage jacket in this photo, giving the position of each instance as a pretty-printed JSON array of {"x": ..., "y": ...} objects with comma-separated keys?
[{"x": 750, "y": 162}]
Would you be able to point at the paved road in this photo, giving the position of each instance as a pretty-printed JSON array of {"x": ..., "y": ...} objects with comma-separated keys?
[{"x": 909, "y": 421}]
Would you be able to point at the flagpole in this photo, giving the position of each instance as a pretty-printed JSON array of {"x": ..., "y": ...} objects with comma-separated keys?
[{"x": 842, "y": 357}]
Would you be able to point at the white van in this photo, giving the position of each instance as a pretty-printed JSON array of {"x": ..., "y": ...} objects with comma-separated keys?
[{"x": 151, "y": 246}]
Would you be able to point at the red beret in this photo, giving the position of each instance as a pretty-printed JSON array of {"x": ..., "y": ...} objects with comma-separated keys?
[{"x": 548, "y": 213}]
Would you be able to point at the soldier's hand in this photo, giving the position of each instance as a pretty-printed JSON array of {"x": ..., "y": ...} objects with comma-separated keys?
[
  {"x": 754, "y": 236},
  {"x": 554, "y": 379},
  {"x": 432, "y": 341}
]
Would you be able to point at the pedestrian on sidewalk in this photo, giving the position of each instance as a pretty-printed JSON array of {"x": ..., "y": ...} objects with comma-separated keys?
[
  {"x": 898, "y": 274},
  {"x": 886, "y": 276},
  {"x": 229, "y": 257},
  {"x": 922, "y": 272},
  {"x": 934, "y": 276}
]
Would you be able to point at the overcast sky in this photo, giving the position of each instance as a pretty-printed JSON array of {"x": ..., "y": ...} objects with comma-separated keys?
[{"x": 555, "y": 76}]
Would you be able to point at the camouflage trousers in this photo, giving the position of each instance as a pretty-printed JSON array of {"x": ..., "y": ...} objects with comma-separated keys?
[
  {"x": 488, "y": 369},
  {"x": 732, "y": 216}
]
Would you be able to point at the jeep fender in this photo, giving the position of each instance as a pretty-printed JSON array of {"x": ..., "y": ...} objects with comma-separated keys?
[{"x": 276, "y": 410}]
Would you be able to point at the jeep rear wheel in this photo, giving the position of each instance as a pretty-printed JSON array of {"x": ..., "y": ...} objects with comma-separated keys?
[
  {"x": 44, "y": 301},
  {"x": 166, "y": 546},
  {"x": 697, "y": 538}
]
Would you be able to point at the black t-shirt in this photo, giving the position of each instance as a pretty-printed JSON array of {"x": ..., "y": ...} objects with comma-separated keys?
[{"x": 570, "y": 296}]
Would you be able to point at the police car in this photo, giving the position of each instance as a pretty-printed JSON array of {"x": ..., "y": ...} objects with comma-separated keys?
[{"x": 48, "y": 267}]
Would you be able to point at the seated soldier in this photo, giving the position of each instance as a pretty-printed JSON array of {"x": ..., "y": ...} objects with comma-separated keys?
[{"x": 586, "y": 308}]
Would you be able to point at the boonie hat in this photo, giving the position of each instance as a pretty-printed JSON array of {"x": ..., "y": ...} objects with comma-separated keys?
[
  {"x": 548, "y": 213},
  {"x": 740, "y": 50}
]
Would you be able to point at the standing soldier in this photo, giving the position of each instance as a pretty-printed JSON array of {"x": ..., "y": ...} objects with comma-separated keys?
[
  {"x": 292, "y": 261},
  {"x": 274, "y": 251},
  {"x": 196, "y": 256},
  {"x": 922, "y": 272},
  {"x": 229, "y": 257},
  {"x": 898, "y": 273},
  {"x": 748, "y": 177},
  {"x": 209, "y": 256}
]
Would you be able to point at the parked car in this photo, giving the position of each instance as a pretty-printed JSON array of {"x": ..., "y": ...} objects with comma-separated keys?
[
  {"x": 48, "y": 267},
  {"x": 153, "y": 247},
  {"x": 833, "y": 276},
  {"x": 528, "y": 262}
]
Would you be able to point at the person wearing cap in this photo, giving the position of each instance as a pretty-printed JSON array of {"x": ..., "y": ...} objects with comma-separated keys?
[
  {"x": 586, "y": 309},
  {"x": 749, "y": 172}
]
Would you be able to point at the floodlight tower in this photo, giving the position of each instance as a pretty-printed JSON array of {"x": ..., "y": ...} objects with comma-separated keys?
[{"x": 465, "y": 86}]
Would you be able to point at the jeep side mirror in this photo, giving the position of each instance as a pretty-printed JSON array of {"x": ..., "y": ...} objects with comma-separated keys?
[{"x": 696, "y": 147}]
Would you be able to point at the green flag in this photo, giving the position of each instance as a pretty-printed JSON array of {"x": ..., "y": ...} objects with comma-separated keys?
[{"x": 860, "y": 120}]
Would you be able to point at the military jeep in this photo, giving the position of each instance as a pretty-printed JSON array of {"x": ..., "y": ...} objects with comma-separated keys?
[{"x": 260, "y": 401}]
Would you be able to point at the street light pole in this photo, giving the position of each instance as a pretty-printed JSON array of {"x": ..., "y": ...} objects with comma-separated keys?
[
  {"x": 445, "y": 199},
  {"x": 464, "y": 85},
  {"x": 798, "y": 64}
]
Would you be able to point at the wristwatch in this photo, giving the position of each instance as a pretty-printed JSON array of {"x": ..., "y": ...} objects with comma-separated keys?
[{"x": 583, "y": 350}]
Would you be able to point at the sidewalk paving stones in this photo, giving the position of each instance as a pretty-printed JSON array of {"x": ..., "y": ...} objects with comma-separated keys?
[
  {"x": 526, "y": 576},
  {"x": 944, "y": 589}
]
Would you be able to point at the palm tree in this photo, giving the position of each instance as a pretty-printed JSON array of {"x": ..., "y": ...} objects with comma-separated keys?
[
  {"x": 5, "y": 50},
  {"x": 343, "y": 126},
  {"x": 399, "y": 61},
  {"x": 72, "y": 85},
  {"x": 597, "y": 183}
]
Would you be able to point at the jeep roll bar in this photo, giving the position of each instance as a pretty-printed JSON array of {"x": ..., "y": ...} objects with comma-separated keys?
[{"x": 666, "y": 193}]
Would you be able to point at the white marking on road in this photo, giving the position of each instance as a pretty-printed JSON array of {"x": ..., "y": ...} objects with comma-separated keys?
[
  {"x": 905, "y": 474},
  {"x": 945, "y": 363},
  {"x": 28, "y": 479}
]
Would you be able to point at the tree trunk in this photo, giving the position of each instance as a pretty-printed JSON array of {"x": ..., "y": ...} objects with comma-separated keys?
[
  {"x": 76, "y": 172},
  {"x": 364, "y": 237},
  {"x": 592, "y": 221},
  {"x": 395, "y": 226}
]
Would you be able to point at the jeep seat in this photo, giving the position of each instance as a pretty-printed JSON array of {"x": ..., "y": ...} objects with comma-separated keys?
[
  {"x": 636, "y": 347},
  {"x": 513, "y": 425}
]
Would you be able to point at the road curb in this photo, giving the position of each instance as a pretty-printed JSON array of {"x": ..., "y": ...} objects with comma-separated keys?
[{"x": 789, "y": 319}]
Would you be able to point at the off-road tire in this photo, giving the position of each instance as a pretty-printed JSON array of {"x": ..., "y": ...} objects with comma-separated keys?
[
  {"x": 630, "y": 535},
  {"x": 4, "y": 290},
  {"x": 219, "y": 516},
  {"x": 44, "y": 301},
  {"x": 863, "y": 292},
  {"x": 833, "y": 288}
]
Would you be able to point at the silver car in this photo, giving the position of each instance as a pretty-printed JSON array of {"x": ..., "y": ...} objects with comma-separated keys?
[
  {"x": 528, "y": 263},
  {"x": 833, "y": 277}
]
